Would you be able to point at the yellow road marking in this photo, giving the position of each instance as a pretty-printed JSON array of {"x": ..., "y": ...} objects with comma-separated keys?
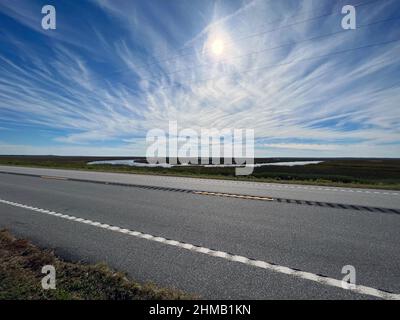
[{"x": 55, "y": 178}]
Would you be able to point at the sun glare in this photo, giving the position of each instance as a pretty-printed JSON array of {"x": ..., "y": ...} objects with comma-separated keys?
[{"x": 217, "y": 47}]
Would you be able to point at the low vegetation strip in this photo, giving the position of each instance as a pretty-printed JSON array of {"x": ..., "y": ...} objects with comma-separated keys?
[
  {"x": 349, "y": 172},
  {"x": 20, "y": 277}
]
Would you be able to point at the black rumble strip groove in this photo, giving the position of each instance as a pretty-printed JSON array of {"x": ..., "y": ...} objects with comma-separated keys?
[{"x": 220, "y": 194}]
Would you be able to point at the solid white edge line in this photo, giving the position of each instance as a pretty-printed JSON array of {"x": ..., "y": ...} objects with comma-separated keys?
[{"x": 219, "y": 254}]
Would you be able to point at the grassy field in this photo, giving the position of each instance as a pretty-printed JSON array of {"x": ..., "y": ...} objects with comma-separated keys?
[
  {"x": 366, "y": 173},
  {"x": 20, "y": 277}
]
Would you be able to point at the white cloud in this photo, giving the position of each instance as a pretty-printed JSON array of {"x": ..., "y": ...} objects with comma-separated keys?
[
  {"x": 281, "y": 93},
  {"x": 301, "y": 146},
  {"x": 68, "y": 150}
]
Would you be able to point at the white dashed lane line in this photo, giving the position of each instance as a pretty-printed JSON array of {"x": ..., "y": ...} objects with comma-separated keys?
[{"x": 218, "y": 254}]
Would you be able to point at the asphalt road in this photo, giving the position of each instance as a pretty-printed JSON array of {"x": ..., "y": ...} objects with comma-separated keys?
[
  {"x": 366, "y": 197},
  {"x": 311, "y": 240}
]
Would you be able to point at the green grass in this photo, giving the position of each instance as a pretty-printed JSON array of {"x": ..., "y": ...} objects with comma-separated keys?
[
  {"x": 20, "y": 277},
  {"x": 364, "y": 173}
]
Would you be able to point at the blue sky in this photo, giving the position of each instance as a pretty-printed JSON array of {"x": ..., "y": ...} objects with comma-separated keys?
[{"x": 113, "y": 69}]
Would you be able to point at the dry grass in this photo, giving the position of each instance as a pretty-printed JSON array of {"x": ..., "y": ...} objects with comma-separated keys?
[{"x": 20, "y": 277}]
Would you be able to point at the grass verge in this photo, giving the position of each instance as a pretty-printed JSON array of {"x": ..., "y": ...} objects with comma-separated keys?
[
  {"x": 20, "y": 277},
  {"x": 352, "y": 173}
]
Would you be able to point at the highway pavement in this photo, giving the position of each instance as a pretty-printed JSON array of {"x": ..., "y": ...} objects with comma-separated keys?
[
  {"x": 217, "y": 247},
  {"x": 366, "y": 197}
]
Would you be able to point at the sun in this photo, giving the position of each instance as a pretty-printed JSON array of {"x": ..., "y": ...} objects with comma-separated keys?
[{"x": 217, "y": 47}]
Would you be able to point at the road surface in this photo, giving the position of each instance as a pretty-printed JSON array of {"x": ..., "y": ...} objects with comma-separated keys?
[{"x": 176, "y": 232}]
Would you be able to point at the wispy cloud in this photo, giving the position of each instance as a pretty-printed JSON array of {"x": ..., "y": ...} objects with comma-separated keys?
[
  {"x": 103, "y": 80},
  {"x": 301, "y": 146}
]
